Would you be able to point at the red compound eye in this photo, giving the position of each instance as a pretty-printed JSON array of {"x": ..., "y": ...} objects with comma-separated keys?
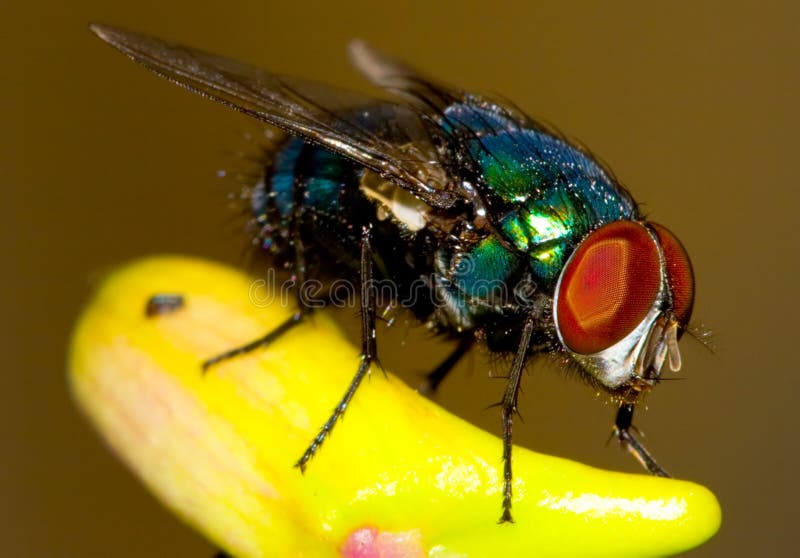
[
  {"x": 608, "y": 286},
  {"x": 679, "y": 274}
]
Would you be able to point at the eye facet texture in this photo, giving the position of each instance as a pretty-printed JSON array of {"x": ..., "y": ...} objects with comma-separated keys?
[
  {"x": 679, "y": 274},
  {"x": 608, "y": 286}
]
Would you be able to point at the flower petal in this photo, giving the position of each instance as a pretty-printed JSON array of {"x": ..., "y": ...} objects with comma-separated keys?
[{"x": 219, "y": 448}]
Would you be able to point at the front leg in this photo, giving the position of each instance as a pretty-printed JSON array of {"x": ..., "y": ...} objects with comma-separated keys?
[
  {"x": 622, "y": 431},
  {"x": 368, "y": 348}
]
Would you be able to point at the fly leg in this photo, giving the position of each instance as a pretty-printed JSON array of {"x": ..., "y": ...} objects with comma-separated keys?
[
  {"x": 622, "y": 430},
  {"x": 509, "y": 407},
  {"x": 263, "y": 341},
  {"x": 300, "y": 279},
  {"x": 368, "y": 349},
  {"x": 168, "y": 303},
  {"x": 432, "y": 380}
]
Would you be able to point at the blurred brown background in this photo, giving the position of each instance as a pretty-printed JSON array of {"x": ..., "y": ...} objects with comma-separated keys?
[{"x": 694, "y": 106}]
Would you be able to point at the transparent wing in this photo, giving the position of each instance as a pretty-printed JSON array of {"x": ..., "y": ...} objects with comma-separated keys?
[
  {"x": 390, "y": 139},
  {"x": 442, "y": 101},
  {"x": 491, "y": 115},
  {"x": 396, "y": 76}
]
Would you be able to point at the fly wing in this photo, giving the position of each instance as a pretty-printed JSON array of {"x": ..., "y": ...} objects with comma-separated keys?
[
  {"x": 482, "y": 115},
  {"x": 442, "y": 101},
  {"x": 398, "y": 145},
  {"x": 396, "y": 76}
]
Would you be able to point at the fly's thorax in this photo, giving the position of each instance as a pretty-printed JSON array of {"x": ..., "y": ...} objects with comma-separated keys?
[
  {"x": 547, "y": 223},
  {"x": 479, "y": 280},
  {"x": 621, "y": 302}
]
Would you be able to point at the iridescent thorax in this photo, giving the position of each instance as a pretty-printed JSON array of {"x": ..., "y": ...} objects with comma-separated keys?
[{"x": 552, "y": 193}]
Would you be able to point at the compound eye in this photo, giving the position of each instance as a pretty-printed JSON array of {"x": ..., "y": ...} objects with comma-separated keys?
[
  {"x": 608, "y": 286},
  {"x": 679, "y": 274}
]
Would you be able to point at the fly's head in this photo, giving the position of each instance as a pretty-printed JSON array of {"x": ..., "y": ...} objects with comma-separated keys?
[{"x": 621, "y": 302}]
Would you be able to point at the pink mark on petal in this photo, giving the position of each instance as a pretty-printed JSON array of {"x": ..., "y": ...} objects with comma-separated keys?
[
  {"x": 368, "y": 542},
  {"x": 361, "y": 544}
]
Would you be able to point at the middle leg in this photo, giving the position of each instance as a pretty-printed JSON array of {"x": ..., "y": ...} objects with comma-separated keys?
[
  {"x": 432, "y": 380},
  {"x": 509, "y": 407}
]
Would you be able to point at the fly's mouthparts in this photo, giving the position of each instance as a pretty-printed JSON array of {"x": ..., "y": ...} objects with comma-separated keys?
[
  {"x": 672, "y": 346},
  {"x": 662, "y": 346}
]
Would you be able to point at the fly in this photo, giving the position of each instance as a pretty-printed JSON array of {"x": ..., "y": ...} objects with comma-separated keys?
[{"x": 489, "y": 226}]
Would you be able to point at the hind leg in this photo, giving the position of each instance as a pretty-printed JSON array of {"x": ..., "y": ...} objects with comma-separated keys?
[{"x": 368, "y": 349}]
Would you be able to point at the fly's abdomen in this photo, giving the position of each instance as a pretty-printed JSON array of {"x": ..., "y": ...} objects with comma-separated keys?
[
  {"x": 310, "y": 192},
  {"x": 308, "y": 179}
]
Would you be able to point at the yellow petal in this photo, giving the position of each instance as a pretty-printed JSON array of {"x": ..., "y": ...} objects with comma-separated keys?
[{"x": 399, "y": 477}]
